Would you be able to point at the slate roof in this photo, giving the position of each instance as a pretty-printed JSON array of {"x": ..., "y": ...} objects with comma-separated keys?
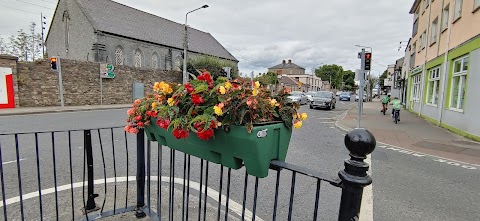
[
  {"x": 288, "y": 80},
  {"x": 286, "y": 65},
  {"x": 115, "y": 18}
]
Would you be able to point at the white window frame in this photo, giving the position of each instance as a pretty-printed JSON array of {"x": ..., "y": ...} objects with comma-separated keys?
[
  {"x": 445, "y": 17},
  {"x": 119, "y": 55},
  {"x": 457, "y": 13},
  {"x": 416, "y": 82},
  {"x": 433, "y": 81},
  {"x": 137, "y": 59},
  {"x": 434, "y": 31},
  {"x": 462, "y": 74}
]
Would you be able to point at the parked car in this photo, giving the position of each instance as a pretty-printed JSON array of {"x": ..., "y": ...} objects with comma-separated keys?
[
  {"x": 345, "y": 96},
  {"x": 364, "y": 97},
  {"x": 298, "y": 97},
  {"x": 324, "y": 99},
  {"x": 310, "y": 95},
  {"x": 338, "y": 93}
]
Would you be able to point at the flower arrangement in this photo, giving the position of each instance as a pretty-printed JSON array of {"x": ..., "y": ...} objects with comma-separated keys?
[{"x": 204, "y": 105}]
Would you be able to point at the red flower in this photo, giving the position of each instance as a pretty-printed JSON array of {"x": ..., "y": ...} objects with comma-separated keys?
[
  {"x": 197, "y": 99},
  {"x": 205, "y": 76},
  {"x": 198, "y": 125},
  {"x": 151, "y": 113},
  {"x": 163, "y": 123},
  {"x": 189, "y": 88},
  {"x": 213, "y": 124},
  {"x": 180, "y": 133},
  {"x": 137, "y": 118},
  {"x": 205, "y": 134},
  {"x": 140, "y": 124}
]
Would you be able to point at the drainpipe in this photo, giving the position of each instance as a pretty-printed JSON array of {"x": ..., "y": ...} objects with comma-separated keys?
[
  {"x": 424, "y": 74},
  {"x": 445, "y": 67}
]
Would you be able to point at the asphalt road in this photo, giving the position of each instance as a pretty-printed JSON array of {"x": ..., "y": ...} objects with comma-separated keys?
[{"x": 406, "y": 187}]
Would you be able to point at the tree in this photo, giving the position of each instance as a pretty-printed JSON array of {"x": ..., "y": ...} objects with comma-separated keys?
[
  {"x": 382, "y": 78},
  {"x": 269, "y": 78},
  {"x": 3, "y": 46},
  {"x": 333, "y": 73},
  {"x": 26, "y": 46},
  {"x": 348, "y": 78},
  {"x": 373, "y": 81},
  {"x": 212, "y": 64}
]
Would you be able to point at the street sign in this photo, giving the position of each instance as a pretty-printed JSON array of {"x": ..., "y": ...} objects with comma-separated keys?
[{"x": 106, "y": 71}]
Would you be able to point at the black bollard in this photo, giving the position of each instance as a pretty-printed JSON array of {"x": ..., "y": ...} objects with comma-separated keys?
[
  {"x": 139, "y": 213},
  {"x": 87, "y": 140},
  {"x": 360, "y": 143}
]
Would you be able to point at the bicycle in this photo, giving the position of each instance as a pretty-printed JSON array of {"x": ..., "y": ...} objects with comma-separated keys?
[
  {"x": 396, "y": 114},
  {"x": 384, "y": 108}
]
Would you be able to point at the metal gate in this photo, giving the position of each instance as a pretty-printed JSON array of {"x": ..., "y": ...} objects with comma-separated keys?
[{"x": 105, "y": 172}]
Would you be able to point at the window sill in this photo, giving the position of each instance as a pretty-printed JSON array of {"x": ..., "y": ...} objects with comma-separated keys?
[
  {"x": 456, "y": 19},
  {"x": 433, "y": 43},
  {"x": 456, "y": 110},
  {"x": 432, "y": 105},
  {"x": 444, "y": 29}
]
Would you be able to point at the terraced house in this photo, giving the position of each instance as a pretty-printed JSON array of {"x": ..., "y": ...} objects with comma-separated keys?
[{"x": 444, "y": 61}]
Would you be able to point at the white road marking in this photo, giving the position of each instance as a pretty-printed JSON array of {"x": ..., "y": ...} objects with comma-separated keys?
[
  {"x": 366, "y": 211},
  {"x": 326, "y": 122},
  {"x": 233, "y": 206},
  {"x": 13, "y": 161},
  {"x": 451, "y": 162}
]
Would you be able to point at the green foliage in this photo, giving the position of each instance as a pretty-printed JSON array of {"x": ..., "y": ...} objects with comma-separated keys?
[
  {"x": 213, "y": 64},
  {"x": 338, "y": 76},
  {"x": 26, "y": 46},
  {"x": 269, "y": 78},
  {"x": 382, "y": 78}
]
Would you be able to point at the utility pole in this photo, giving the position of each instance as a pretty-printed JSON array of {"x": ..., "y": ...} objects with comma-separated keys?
[
  {"x": 361, "y": 75},
  {"x": 42, "y": 19}
]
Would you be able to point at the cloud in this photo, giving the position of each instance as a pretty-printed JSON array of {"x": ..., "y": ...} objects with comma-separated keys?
[{"x": 263, "y": 33}]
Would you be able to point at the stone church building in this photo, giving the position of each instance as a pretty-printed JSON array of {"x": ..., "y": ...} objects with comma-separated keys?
[{"x": 107, "y": 31}]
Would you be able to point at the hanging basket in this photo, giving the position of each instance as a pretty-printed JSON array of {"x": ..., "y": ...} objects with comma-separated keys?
[{"x": 234, "y": 148}]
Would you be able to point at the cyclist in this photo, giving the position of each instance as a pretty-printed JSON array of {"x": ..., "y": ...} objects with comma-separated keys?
[
  {"x": 385, "y": 101},
  {"x": 396, "y": 106}
]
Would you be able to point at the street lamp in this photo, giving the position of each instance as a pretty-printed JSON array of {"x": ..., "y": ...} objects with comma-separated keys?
[{"x": 185, "y": 46}]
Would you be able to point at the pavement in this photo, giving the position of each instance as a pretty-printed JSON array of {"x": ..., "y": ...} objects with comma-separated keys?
[
  {"x": 412, "y": 133},
  {"x": 43, "y": 110}
]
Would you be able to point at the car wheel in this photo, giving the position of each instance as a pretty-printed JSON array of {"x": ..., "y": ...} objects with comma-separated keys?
[
  {"x": 311, "y": 107},
  {"x": 334, "y": 105}
]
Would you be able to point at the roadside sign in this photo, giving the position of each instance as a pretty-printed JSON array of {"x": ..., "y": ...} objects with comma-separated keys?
[{"x": 106, "y": 71}]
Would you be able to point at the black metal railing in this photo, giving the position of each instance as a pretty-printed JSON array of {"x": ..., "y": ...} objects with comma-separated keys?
[{"x": 86, "y": 175}]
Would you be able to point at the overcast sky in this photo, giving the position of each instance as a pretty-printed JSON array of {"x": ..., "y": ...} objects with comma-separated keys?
[{"x": 260, "y": 34}]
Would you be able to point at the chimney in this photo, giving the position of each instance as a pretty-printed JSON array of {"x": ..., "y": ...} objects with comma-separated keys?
[
  {"x": 283, "y": 62},
  {"x": 289, "y": 61}
]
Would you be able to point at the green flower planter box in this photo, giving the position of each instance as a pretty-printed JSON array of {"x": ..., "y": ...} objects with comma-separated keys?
[{"x": 232, "y": 149}]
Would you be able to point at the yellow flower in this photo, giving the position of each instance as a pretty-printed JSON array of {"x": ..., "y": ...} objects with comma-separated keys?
[
  {"x": 157, "y": 86},
  {"x": 257, "y": 84},
  {"x": 273, "y": 102},
  {"x": 304, "y": 116},
  {"x": 298, "y": 124},
  {"x": 170, "y": 101},
  {"x": 222, "y": 90},
  {"x": 154, "y": 105},
  {"x": 255, "y": 92},
  {"x": 228, "y": 85},
  {"x": 218, "y": 110}
]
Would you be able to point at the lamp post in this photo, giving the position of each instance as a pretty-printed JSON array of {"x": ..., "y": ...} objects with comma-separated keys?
[
  {"x": 368, "y": 76},
  {"x": 185, "y": 46}
]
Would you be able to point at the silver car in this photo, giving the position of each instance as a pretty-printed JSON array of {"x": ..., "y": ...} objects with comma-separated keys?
[
  {"x": 324, "y": 99},
  {"x": 298, "y": 97}
]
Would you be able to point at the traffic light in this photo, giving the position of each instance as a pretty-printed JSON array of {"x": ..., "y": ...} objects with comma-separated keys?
[
  {"x": 53, "y": 63},
  {"x": 368, "y": 61}
]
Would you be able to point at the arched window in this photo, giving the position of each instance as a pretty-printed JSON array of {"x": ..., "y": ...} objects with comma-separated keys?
[
  {"x": 119, "y": 56},
  {"x": 66, "y": 22},
  {"x": 155, "y": 61},
  {"x": 138, "y": 58},
  {"x": 178, "y": 64}
]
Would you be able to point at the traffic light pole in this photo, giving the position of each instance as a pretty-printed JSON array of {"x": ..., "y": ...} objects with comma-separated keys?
[
  {"x": 360, "y": 91},
  {"x": 60, "y": 81}
]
